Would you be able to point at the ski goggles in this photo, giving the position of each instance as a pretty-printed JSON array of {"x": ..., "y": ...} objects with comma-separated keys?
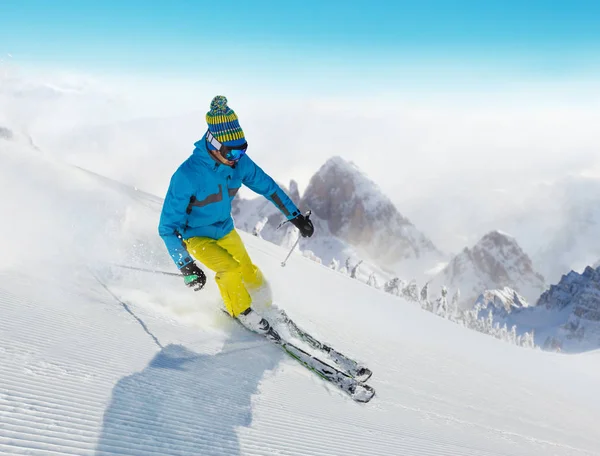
[{"x": 231, "y": 153}]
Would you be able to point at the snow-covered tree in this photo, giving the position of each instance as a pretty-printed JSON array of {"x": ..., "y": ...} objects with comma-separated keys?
[
  {"x": 392, "y": 286},
  {"x": 347, "y": 264},
  {"x": 411, "y": 292},
  {"x": 529, "y": 341},
  {"x": 473, "y": 318},
  {"x": 553, "y": 344},
  {"x": 441, "y": 304},
  {"x": 453, "y": 311},
  {"x": 373, "y": 281},
  {"x": 504, "y": 333},
  {"x": 513, "y": 335},
  {"x": 354, "y": 270},
  {"x": 311, "y": 255},
  {"x": 290, "y": 237},
  {"x": 425, "y": 292},
  {"x": 335, "y": 264},
  {"x": 489, "y": 323},
  {"x": 259, "y": 227}
]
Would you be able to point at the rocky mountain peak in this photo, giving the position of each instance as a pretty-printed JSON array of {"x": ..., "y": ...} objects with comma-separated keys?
[
  {"x": 500, "y": 256},
  {"x": 578, "y": 297},
  {"x": 502, "y": 301},
  {"x": 294, "y": 192},
  {"x": 495, "y": 262},
  {"x": 355, "y": 209},
  {"x": 581, "y": 290},
  {"x": 340, "y": 191}
]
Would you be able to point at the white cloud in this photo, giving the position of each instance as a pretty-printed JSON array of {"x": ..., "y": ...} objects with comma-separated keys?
[{"x": 442, "y": 156}]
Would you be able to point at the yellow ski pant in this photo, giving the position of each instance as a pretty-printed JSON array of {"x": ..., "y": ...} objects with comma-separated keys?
[{"x": 230, "y": 260}]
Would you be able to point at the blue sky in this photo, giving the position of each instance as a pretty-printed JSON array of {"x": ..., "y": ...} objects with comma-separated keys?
[
  {"x": 451, "y": 89},
  {"x": 297, "y": 39}
]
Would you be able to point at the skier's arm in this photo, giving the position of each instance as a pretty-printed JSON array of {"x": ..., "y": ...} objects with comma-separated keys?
[
  {"x": 260, "y": 182},
  {"x": 172, "y": 220}
]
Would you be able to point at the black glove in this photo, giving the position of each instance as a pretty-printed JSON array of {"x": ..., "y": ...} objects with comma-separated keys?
[
  {"x": 193, "y": 276},
  {"x": 304, "y": 224}
]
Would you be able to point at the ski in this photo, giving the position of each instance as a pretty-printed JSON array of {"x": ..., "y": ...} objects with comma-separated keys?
[
  {"x": 358, "y": 391},
  {"x": 354, "y": 369}
]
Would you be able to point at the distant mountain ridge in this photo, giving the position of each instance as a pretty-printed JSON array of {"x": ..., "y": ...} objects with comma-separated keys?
[
  {"x": 581, "y": 291},
  {"x": 495, "y": 262},
  {"x": 567, "y": 315}
]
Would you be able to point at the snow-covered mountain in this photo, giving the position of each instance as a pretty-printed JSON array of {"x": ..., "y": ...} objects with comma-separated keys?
[
  {"x": 98, "y": 360},
  {"x": 502, "y": 301},
  {"x": 580, "y": 294},
  {"x": 355, "y": 210},
  {"x": 261, "y": 218},
  {"x": 567, "y": 315},
  {"x": 495, "y": 262},
  {"x": 353, "y": 218}
]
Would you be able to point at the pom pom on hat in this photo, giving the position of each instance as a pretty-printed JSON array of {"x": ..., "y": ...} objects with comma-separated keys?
[{"x": 223, "y": 123}]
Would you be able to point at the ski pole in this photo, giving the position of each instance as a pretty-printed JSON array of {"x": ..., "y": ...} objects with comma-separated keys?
[
  {"x": 153, "y": 271},
  {"x": 283, "y": 263},
  {"x": 290, "y": 252}
]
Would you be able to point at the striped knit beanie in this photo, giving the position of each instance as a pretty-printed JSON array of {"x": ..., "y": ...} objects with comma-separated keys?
[{"x": 223, "y": 123}]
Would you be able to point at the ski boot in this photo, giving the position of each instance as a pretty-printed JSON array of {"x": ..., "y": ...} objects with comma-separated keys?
[{"x": 255, "y": 323}]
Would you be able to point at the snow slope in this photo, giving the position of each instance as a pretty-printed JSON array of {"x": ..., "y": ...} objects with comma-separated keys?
[{"x": 99, "y": 360}]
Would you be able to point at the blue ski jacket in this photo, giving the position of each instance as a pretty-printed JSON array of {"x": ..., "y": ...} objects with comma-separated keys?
[{"x": 198, "y": 202}]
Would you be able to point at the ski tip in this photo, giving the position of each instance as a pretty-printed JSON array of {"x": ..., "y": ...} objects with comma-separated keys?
[
  {"x": 363, "y": 374},
  {"x": 363, "y": 393}
]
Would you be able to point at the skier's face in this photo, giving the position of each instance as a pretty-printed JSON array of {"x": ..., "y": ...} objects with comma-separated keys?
[{"x": 216, "y": 155}]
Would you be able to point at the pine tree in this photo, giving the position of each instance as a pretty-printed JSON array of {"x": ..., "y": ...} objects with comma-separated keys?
[
  {"x": 355, "y": 269},
  {"x": 504, "y": 333},
  {"x": 512, "y": 337},
  {"x": 373, "y": 280},
  {"x": 442, "y": 304},
  {"x": 425, "y": 303},
  {"x": 453, "y": 313},
  {"x": 425, "y": 292},
  {"x": 411, "y": 292},
  {"x": 259, "y": 227},
  {"x": 290, "y": 237},
  {"x": 489, "y": 323},
  {"x": 392, "y": 286}
]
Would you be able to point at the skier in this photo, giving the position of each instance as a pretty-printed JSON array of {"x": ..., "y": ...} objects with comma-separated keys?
[{"x": 196, "y": 222}]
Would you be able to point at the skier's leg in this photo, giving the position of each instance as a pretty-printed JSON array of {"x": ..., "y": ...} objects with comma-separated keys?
[
  {"x": 228, "y": 269},
  {"x": 251, "y": 275},
  {"x": 233, "y": 243}
]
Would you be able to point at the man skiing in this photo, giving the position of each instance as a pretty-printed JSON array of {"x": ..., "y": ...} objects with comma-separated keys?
[{"x": 196, "y": 220}]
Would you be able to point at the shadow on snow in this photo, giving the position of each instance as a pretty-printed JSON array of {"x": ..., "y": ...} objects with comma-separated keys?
[{"x": 186, "y": 403}]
